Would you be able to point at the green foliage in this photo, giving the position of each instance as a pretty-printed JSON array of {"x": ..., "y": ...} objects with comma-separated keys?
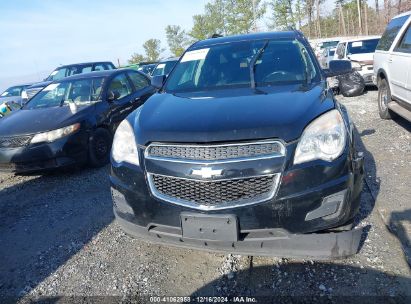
[
  {"x": 240, "y": 15},
  {"x": 153, "y": 50},
  {"x": 200, "y": 28},
  {"x": 226, "y": 17},
  {"x": 282, "y": 16},
  {"x": 136, "y": 58},
  {"x": 176, "y": 39}
]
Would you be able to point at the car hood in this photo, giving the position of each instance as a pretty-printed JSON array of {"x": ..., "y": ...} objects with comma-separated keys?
[
  {"x": 42, "y": 84},
  {"x": 231, "y": 115},
  {"x": 41, "y": 120}
]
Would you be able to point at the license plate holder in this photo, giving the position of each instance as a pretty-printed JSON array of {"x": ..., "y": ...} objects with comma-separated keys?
[{"x": 209, "y": 227}]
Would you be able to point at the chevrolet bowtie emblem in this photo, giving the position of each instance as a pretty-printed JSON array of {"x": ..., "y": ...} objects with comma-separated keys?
[{"x": 206, "y": 172}]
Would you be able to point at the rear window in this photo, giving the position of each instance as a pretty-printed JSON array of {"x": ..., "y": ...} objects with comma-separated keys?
[{"x": 391, "y": 32}]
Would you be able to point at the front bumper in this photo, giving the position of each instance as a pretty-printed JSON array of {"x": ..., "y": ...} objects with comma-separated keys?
[
  {"x": 367, "y": 75},
  {"x": 283, "y": 225},
  {"x": 264, "y": 242},
  {"x": 43, "y": 156}
]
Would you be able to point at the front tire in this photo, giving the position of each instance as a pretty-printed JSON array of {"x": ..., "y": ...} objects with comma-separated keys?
[
  {"x": 99, "y": 148},
  {"x": 384, "y": 97}
]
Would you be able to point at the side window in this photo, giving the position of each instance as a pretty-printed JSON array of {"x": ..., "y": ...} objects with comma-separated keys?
[
  {"x": 86, "y": 69},
  {"x": 405, "y": 44},
  {"x": 74, "y": 70},
  {"x": 138, "y": 80},
  {"x": 120, "y": 84},
  {"x": 102, "y": 67},
  {"x": 391, "y": 32}
]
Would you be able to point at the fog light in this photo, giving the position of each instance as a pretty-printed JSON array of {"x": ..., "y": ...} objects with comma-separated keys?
[{"x": 330, "y": 208}]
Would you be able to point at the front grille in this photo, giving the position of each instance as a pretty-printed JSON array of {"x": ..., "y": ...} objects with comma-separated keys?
[
  {"x": 216, "y": 152},
  {"x": 214, "y": 194},
  {"x": 14, "y": 142},
  {"x": 32, "y": 92}
]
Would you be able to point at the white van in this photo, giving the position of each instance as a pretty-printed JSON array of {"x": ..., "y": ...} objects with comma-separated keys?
[{"x": 392, "y": 65}]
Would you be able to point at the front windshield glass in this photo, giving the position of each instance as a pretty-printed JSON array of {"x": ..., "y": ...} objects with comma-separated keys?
[
  {"x": 362, "y": 46},
  {"x": 164, "y": 68},
  {"x": 80, "y": 92},
  {"x": 12, "y": 92},
  {"x": 228, "y": 65},
  {"x": 328, "y": 44}
]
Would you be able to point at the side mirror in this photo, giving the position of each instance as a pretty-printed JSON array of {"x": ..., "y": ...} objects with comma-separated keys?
[
  {"x": 338, "y": 67},
  {"x": 113, "y": 95},
  {"x": 158, "y": 81}
]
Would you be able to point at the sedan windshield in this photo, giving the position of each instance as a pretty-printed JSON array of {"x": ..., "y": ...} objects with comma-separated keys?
[
  {"x": 362, "y": 46},
  {"x": 231, "y": 65},
  {"x": 80, "y": 92}
]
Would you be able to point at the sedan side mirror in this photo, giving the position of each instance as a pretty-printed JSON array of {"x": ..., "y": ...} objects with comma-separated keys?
[
  {"x": 338, "y": 67},
  {"x": 158, "y": 81},
  {"x": 113, "y": 95}
]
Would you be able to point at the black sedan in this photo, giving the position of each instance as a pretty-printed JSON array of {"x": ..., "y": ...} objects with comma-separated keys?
[{"x": 71, "y": 121}]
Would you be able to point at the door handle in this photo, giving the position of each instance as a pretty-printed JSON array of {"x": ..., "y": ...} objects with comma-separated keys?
[
  {"x": 137, "y": 99},
  {"x": 390, "y": 59}
]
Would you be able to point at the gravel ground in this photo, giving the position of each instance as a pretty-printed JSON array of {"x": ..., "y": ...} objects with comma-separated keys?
[{"x": 58, "y": 238}]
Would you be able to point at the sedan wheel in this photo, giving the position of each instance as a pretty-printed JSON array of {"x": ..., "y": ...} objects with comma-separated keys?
[{"x": 99, "y": 148}]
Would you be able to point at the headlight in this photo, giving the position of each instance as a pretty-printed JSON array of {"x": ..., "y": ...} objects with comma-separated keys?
[
  {"x": 324, "y": 138},
  {"x": 124, "y": 144},
  {"x": 356, "y": 66},
  {"x": 24, "y": 95},
  {"x": 55, "y": 134}
]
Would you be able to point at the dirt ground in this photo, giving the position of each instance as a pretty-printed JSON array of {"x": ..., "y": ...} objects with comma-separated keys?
[{"x": 58, "y": 238}]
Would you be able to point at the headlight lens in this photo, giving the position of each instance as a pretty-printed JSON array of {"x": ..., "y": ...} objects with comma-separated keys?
[
  {"x": 55, "y": 134},
  {"x": 124, "y": 145},
  {"x": 324, "y": 138},
  {"x": 356, "y": 66}
]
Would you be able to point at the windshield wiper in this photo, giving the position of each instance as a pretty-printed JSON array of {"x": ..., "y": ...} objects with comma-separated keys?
[{"x": 253, "y": 62}]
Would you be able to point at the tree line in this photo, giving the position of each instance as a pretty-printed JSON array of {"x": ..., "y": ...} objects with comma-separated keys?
[{"x": 230, "y": 17}]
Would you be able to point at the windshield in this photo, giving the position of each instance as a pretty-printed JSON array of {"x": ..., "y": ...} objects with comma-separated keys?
[
  {"x": 164, "y": 68},
  {"x": 61, "y": 73},
  {"x": 328, "y": 44},
  {"x": 12, "y": 92},
  {"x": 228, "y": 65},
  {"x": 80, "y": 92},
  {"x": 362, "y": 46}
]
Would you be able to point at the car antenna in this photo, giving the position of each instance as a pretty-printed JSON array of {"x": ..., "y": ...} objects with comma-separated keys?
[{"x": 215, "y": 35}]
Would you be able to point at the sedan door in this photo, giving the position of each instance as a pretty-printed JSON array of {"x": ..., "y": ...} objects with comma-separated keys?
[
  {"x": 123, "y": 104},
  {"x": 142, "y": 88}
]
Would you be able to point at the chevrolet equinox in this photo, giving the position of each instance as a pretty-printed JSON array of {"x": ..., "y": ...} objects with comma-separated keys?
[{"x": 243, "y": 149}]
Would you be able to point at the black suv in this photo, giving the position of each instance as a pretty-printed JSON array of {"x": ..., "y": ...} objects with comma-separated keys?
[
  {"x": 243, "y": 149},
  {"x": 66, "y": 71}
]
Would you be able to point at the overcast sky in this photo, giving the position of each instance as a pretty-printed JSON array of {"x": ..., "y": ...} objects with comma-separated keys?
[{"x": 36, "y": 36}]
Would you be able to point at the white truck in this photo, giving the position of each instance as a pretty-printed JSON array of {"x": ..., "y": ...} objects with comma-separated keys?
[{"x": 360, "y": 52}]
